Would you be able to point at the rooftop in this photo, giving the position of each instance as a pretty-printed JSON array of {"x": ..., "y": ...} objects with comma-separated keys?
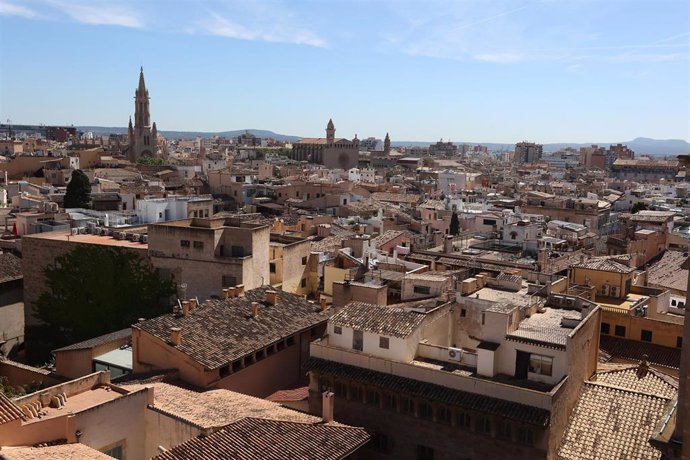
[
  {"x": 58, "y": 452},
  {"x": 667, "y": 272},
  {"x": 253, "y": 438},
  {"x": 88, "y": 238},
  {"x": 10, "y": 267},
  {"x": 616, "y": 415},
  {"x": 220, "y": 331},
  {"x": 604, "y": 264},
  {"x": 552, "y": 327},
  {"x": 217, "y": 408},
  {"x": 100, "y": 340},
  {"x": 389, "y": 321}
]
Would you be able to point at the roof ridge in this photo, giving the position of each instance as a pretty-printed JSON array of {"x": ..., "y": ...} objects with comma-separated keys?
[{"x": 626, "y": 390}]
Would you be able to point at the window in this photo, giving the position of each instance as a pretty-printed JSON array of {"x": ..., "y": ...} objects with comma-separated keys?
[
  {"x": 679, "y": 341},
  {"x": 383, "y": 342},
  {"x": 407, "y": 406},
  {"x": 620, "y": 331},
  {"x": 504, "y": 430},
  {"x": 424, "y": 452},
  {"x": 483, "y": 425},
  {"x": 646, "y": 336},
  {"x": 304, "y": 260},
  {"x": 198, "y": 245},
  {"x": 605, "y": 328},
  {"x": 184, "y": 243},
  {"x": 539, "y": 364},
  {"x": 425, "y": 410},
  {"x": 373, "y": 398},
  {"x": 463, "y": 312},
  {"x": 390, "y": 402},
  {"x": 160, "y": 215},
  {"x": 357, "y": 340},
  {"x": 303, "y": 283},
  {"x": 116, "y": 451},
  {"x": 463, "y": 420},
  {"x": 424, "y": 290},
  {"x": 237, "y": 251},
  {"x": 489, "y": 222},
  {"x": 337, "y": 330},
  {"x": 444, "y": 414},
  {"x": 272, "y": 267},
  {"x": 525, "y": 436}
]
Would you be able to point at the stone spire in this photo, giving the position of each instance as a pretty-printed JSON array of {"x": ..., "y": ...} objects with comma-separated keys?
[
  {"x": 387, "y": 144},
  {"x": 330, "y": 131}
]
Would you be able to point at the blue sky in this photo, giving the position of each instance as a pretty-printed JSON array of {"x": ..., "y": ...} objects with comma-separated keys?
[{"x": 493, "y": 71}]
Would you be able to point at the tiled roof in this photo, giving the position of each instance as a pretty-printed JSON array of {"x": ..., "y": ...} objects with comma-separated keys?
[
  {"x": 220, "y": 331},
  {"x": 8, "y": 410},
  {"x": 604, "y": 264},
  {"x": 295, "y": 394},
  {"x": 100, "y": 340},
  {"x": 388, "y": 321},
  {"x": 10, "y": 267},
  {"x": 217, "y": 408},
  {"x": 612, "y": 422},
  {"x": 403, "y": 385},
  {"x": 652, "y": 216},
  {"x": 667, "y": 272},
  {"x": 386, "y": 237},
  {"x": 59, "y": 452},
  {"x": 626, "y": 376},
  {"x": 408, "y": 198},
  {"x": 252, "y": 438},
  {"x": 634, "y": 350},
  {"x": 545, "y": 328}
]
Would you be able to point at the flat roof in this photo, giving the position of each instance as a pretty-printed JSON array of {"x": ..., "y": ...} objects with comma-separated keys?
[
  {"x": 122, "y": 358},
  {"x": 77, "y": 403},
  {"x": 620, "y": 305},
  {"x": 88, "y": 238}
]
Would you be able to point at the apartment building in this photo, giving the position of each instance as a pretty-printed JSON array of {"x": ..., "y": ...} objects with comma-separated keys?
[
  {"x": 473, "y": 378},
  {"x": 217, "y": 253}
]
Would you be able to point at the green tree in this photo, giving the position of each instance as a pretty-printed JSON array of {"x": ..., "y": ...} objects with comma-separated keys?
[
  {"x": 639, "y": 206},
  {"x": 149, "y": 160},
  {"x": 454, "y": 224},
  {"x": 91, "y": 291},
  {"x": 78, "y": 193}
]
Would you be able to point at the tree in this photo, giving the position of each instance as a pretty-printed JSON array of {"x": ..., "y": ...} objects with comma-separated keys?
[
  {"x": 454, "y": 224},
  {"x": 639, "y": 206},
  {"x": 149, "y": 160},
  {"x": 92, "y": 291},
  {"x": 78, "y": 193}
]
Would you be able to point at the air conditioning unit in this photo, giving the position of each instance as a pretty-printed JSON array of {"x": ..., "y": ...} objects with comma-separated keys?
[
  {"x": 614, "y": 291},
  {"x": 605, "y": 290},
  {"x": 455, "y": 354}
]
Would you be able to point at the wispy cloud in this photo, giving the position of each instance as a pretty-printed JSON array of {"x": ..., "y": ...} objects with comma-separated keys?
[
  {"x": 275, "y": 33},
  {"x": 10, "y": 9},
  {"x": 99, "y": 13}
]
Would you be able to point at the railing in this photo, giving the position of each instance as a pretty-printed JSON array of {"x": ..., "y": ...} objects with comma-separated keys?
[{"x": 429, "y": 374}]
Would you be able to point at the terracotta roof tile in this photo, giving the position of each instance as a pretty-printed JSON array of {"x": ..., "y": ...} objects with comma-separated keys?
[
  {"x": 100, "y": 340},
  {"x": 253, "y": 438},
  {"x": 10, "y": 267},
  {"x": 221, "y": 331},
  {"x": 388, "y": 321},
  {"x": 217, "y": 408},
  {"x": 8, "y": 410},
  {"x": 634, "y": 350},
  {"x": 653, "y": 383},
  {"x": 60, "y": 452},
  {"x": 667, "y": 272}
]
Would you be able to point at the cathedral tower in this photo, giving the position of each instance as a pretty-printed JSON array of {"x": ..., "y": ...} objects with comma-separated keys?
[
  {"x": 387, "y": 144},
  {"x": 142, "y": 136},
  {"x": 330, "y": 132}
]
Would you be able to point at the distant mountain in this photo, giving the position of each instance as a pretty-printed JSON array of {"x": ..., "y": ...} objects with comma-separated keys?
[
  {"x": 192, "y": 134},
  {"x": 641, "y": 145}
]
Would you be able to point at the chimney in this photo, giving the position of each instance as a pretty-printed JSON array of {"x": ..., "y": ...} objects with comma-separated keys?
[
  {"x": 327, "y": 406},
  {"x": 271, "y": 297},
  {"x": 239, "y": 290},
  {"x": 323, "y": 304},
  {"x": 448, "y": 244},
  {"x": 255, "y": 309},
  {"x": 226, "y": 293},
  {"x": 232, "y": 293},
  {"x": 193, "y": 303},
  {"x": 643, "y": 367},
  {"x": 176, "y": 336},
  {"x": 185, "y": 307}
]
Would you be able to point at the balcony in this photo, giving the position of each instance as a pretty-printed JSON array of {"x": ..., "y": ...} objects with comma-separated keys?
[{"x": 443, "y": 374}]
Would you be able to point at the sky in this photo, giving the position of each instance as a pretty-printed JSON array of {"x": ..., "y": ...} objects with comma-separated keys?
[{"x": 470, "y": 71}]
